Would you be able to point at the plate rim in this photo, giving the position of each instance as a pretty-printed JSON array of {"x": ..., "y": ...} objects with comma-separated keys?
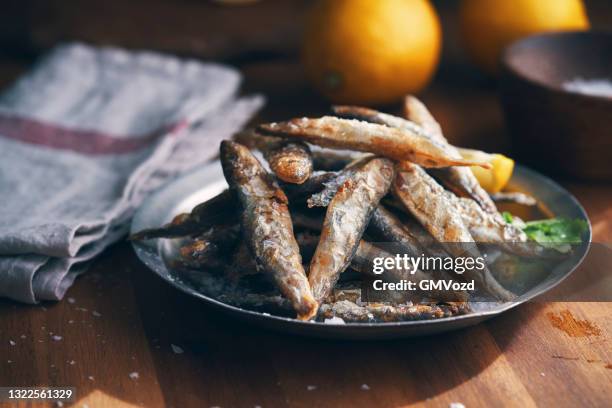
[{"x": 349, "y": 326}]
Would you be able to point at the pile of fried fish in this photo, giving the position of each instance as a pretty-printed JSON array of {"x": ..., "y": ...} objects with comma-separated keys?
[{"x": 378, "y": 178}]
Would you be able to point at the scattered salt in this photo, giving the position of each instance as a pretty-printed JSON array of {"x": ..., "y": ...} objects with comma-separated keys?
[
  {"x": 9, "y": 361},
  {"x": 594, "y": 87},
  {"x": 23, "y": 336},
  {"x": 365, "y": 387},
  {"x": 70, "y": 321},
  {"x": 56, "y": 338},
  {"x": 543, "y": 375},
  {"x": 334, "y": 320},
  {"x": 134, "y": 375},
  {"x": 90, "y": 378},
  {"x": 59, "y": 404},
  {"x": 95, "y": 313},
  {"x": 176, "y": 349},
  {"x": 12, "y": 343},
  {"x": 71, "y": 300},
  {"x": 456, "y": 405},
  {"x": 72, "y": 362},
  {"x": 311, "y": 387},
  {"x": 85, "y": 406}
]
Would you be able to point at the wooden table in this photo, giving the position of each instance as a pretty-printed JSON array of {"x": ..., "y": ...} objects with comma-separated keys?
[{"x": 128, "y": 339}]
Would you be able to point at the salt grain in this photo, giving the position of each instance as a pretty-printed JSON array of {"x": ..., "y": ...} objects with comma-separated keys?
[
  {"x": 72, "y": 362},
  {"x": 56, "y": 338},
  {"x": 594, "y": 87},
  {"x": 23, "y": 336},
  {"x": 134, "y": 375},
  {"x": 311, "y": 387},
  {"x": 456, "y": 405},
  {"x": 9, "y": 361},
  {"x": 71, "y": 300},
  {"x": 334, "y": 320},
  {"x": 90, "y": 378},
  {"x": 365, "y": 387},
  {"x": 543, "y": 375},
  {"x": 176, "y": 349},
  {"x": 12, "y": 343},
  {"x": 97, "y": 314}
]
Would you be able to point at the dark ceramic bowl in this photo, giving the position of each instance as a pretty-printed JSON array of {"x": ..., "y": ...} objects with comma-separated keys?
[{"x": 558, "y": 131}]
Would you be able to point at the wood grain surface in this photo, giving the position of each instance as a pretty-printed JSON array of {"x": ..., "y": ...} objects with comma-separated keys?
[{"x": 125, "y": 338}]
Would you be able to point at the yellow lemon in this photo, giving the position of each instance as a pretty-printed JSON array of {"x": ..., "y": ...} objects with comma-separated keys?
[
  {"x": 488, "y": 26},
  {"x": 493, "y": 180},
  {"x": 371, "y": 51}
]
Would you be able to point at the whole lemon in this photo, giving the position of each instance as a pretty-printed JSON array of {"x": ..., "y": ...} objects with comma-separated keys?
[
  {"x": 371, "y": 51},
  {"x": 488, "y": 26}
]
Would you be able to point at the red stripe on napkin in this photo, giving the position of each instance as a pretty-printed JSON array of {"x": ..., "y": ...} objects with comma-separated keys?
[{"x": 89, "y": 142}]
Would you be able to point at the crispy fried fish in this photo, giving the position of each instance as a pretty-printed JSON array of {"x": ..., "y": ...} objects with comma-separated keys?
[
  {"x": 386, "y": 227},
  {"x": 291, "y": 161},
  {"x": 347, "y": 217},
  {"x": 438, "y": 212},
  {"x": 363, "y": 263},
  {"x": 323, "y": 197},
  {"x": 217, "y": 210},
  {"x": 373, "y": 312},
  {"x": 398, "y": 144},
  {"x": 458, "y": 179},
  {"x": 332, "y": 160},
  {"x": 206, "y": 249},
  {"x": 223, "y": 209},
  {"x": 267, "y": 227},
  {"x": 493, "y": 229}
]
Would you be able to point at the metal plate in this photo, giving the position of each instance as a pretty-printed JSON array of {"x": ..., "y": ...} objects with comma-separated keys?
[{"x": 184, "y": 193}]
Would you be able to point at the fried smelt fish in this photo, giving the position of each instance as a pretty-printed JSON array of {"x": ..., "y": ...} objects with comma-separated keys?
[
  {"x": 364, "y": 259},
  {"x": 220, "y": 208},
  {"x": 346, "y": 218},
  {"x": 267, "y": 227},
  {"x": 398, "y": 144},
  {"x": 378, "y": 312},
  {"x": 493, "y": 229},
  {"x": 332, "y": 160},
  {"x": 458, "y": 179},
  {"x": 438, "y": 213},
  {"x": 205, "y": 250},
  {"x": 386, "y": 227},
  {"x": 291, "y": 161}
]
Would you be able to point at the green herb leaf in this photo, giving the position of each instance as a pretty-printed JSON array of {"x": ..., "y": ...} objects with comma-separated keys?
[
  {"x": 507, "y": 217},
  {"x": 553, "y": 232}
]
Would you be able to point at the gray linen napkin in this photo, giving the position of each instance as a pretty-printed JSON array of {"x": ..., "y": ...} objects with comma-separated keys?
[{"x": 84, "y": 137}]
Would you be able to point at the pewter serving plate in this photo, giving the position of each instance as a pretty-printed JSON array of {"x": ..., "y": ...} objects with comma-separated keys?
[{"x": 193, "y": 188}]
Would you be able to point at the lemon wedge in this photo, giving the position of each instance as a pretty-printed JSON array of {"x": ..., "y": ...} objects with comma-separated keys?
[{"x": 495, "y": 179}]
